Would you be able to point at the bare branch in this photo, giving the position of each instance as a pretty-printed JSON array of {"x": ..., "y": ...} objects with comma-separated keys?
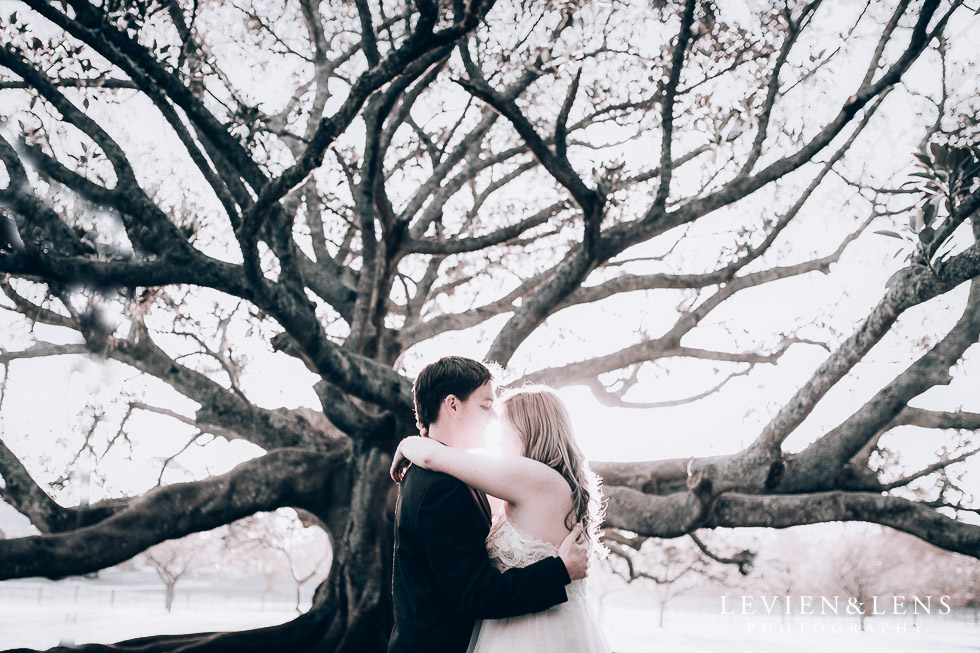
[
  {"x": 933, "y": 419},
  {"x": 615, "y": 399},
  {"x": 794, "y": 28},
  {"x": 669, "y": 97},
  {"x": 668, "y": 345},
  {"x": 42, "y": 350},
  {"x": 743, "y": 559},
  {"x": 100, "y": 82},
  {"x": 940, "y": 464},
  {"x": 743, "y": 185},
  {"x": 915, "y": 286},
  {"x": 408, "y": 59},
  {"x": 559, "y": 167},
  {"x": 444, "y": 247},
  {"x": 561, "y": 125}
]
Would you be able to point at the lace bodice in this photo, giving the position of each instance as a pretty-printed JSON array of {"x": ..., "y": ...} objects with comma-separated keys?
[{"x": 511, "y": 547}]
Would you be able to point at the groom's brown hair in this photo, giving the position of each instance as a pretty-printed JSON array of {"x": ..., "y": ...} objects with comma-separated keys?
[{"x": 450, "y": 375}]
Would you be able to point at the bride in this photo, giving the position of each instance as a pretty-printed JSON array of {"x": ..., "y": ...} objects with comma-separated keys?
[{"x": 547, "y": 490}]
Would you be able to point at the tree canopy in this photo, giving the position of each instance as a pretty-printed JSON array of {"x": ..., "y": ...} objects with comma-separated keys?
[{"x": 347, "y": 185}]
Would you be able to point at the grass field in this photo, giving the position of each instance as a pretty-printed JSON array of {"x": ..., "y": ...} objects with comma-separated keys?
[{"x": 39, "y": 614}]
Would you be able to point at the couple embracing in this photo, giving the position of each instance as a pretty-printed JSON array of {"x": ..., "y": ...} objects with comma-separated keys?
[{"x": 466, "y": 579}]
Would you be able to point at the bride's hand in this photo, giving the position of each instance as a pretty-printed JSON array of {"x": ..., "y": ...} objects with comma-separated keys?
[
  {"x": 399, "y": 465},
  {"x": 412, "y": 450}
]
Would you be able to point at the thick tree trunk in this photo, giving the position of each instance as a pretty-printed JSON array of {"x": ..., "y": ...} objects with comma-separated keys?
[{"x": 358, "y": 589}]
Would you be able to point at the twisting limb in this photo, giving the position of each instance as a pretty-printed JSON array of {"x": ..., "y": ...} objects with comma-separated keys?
[
  {"x": 534, "y": 311},
  {"x": 22, "y": 492},
  {"x": 817, "y": 466},
  {"x": 561, "y": 124},
  {"x": 50, "y": 168},
  {"x": 265, "y": 483},
  {"x": 369, "y": 42},
  {"x": 36, "y": 226},
  {"x": 467, "y": 147},
  {"x": 915, "y": 287},
  {"x": 665, "y": 516},
  {"x": 222, "y": 409}
]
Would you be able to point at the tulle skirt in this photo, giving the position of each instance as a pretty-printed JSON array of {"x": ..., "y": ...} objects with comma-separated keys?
[{"x": 567, "y": 627}]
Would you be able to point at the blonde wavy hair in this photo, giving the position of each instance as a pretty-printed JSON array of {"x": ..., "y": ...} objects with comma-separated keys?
[{"x": 539, "y": 416}]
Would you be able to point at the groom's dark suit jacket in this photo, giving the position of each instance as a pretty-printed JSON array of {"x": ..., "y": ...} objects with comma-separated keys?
[{"x": 443, "y": 579}]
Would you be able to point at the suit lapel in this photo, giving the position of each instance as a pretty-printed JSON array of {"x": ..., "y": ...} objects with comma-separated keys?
[{"x": 481, "y": 500}]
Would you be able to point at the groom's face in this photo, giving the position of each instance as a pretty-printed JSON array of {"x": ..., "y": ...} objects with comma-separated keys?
[{"x": 476, "y": 415}]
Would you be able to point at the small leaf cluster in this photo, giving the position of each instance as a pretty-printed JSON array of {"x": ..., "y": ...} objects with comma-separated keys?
[{"x": 947, "y": 175}]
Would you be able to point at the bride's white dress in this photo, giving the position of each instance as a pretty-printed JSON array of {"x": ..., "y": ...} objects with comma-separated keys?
[{"x": 569, "y": 626}]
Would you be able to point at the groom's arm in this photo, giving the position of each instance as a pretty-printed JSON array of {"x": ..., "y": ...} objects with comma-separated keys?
[{"x": 451, "y": 529}]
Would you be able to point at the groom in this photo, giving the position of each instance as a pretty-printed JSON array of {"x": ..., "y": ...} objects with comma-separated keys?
[{"x": 443, "y": 579}]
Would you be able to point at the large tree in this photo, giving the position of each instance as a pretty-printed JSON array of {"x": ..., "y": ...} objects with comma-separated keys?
[{"x": 356, "y": 181}]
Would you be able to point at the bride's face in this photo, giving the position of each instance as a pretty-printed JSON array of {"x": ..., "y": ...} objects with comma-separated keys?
[
  {"x": 476, "y": 415},
  {"x": 510, "y": 442}
]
